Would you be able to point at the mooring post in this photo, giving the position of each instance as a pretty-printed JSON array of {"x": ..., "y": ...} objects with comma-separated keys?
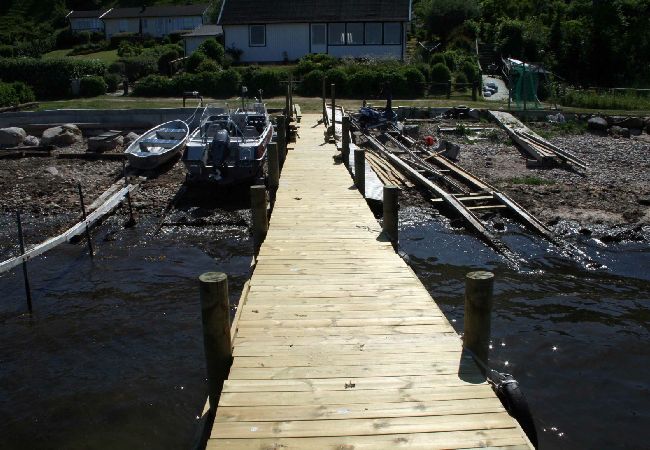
[
  {"x": 324, "y": 101},
  {"x": 333, "y": 88},
  {"x": 479, "y": 287},
  {"x": 345, "y": 140},
  {"x": 215, "y": 315},
  {"x": 131, "y": 220},
  {"x": 291, "y": 96},
  {"x": 360, "y": 170},
  {"x": 260, "y": 218},
  {"x": 287, "y": 110},
  {"x": 83, "y": 213},
  {"x": 391, "y": 210},
  {"x": 282, "y": 138},
  {"x": 21, "y": 243},
  {"x": 273, "y": 168}
]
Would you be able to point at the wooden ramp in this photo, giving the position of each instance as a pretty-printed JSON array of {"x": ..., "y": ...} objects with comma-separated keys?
[{"x": 339, "y": 345}]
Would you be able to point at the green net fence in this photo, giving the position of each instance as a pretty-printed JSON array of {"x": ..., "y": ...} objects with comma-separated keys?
[{"x": 525, "y": 81}]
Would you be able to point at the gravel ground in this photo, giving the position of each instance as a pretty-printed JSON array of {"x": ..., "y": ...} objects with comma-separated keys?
[{"x": 615, "y": 190}]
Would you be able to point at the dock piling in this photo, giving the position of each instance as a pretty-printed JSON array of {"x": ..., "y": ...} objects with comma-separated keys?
[
  {"x": 215, "y": 315},
  {"x": 324, "y": 102},
  {"x": 479, "y": 287},
  {"x": 360, "y": 170},
  {"x": 83, "y": 213},
  {"x": 131, "y": 220},
  {"x": 345, "y": 140},
  {"x": 273, "y": 168},
  {"x": 259, "y": 219},
  {"x": 281, "y": 131},
  {"x": 333, "y": 88},
  {"x": 21, "y": 243},
  {"x": 391, "y": 209}
]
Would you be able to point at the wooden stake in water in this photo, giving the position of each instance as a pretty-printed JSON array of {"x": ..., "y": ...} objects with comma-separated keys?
[
  {"x": 21, "y": 242},
  {"x": 478, "y": 311},
  {"x": 131, "y": 220},
  {"x": 83, "y": 212}
]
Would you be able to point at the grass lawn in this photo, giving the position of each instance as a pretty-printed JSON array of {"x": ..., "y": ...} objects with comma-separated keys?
[{"x": 107, "y": 56}]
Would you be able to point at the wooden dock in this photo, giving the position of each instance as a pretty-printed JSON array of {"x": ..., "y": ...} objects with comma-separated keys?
[{"x": 338, "y": 345}]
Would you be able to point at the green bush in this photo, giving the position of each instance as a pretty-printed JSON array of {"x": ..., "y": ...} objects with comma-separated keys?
[
  {"x": 15, "y": 93},
  {"x": 194, "y": 61},
  {"x": 364, "y": 83},
  {"x": 154, "y": 86},
  {"x": 49, "y": 78},
  {"x": 339, "y": 78},
  {"x": 6, "y": 51},
  {"x": 112, "y": 81},
  {"x": 470, "y": 70},
  {"x": 440, "y": 73},
  {"x": 213, "y": 50},
  {"x": 317, "y": 61},
  {"x": 461, "y": 78},
  {"x": 222, "y": 84},
  {"x": 438, "y": 58},
  {"x": 165, "y": 60},
  {"x": 415, "y": 81},
  {"x": 208, "y": 65},
  {"x": 128, "y": 49},
  {"x": 312, "y": 84},
  {"x": 268, "y": 80},
  {"x": 92, "y": 86},
  {"x": 138, "y": 66}
]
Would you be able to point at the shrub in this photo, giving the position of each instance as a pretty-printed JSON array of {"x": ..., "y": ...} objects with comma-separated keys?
[
  {"x": 415, "y": 81},
  {"x": 208, "y": 65},
  {"x": 49, "y": 78},
  {"x": 194, "y": 61},
  {"x": 312, "y": 83},
  {"x": 339, "y": 78},
  {"x": 470, "y": 70},
  {"x": 268, "y": 80},
  {"x": 461, "y": 78},
  {"x": 112, "y": 81},
  {"x": 92, "y": 86},
  {"x": 318, "y": 61},
  {"x": 220, "y": 85},
  {"x": 137, "y": 67},
  {"x": 440, "y": 73},
  {"x": 363, "y": 84},
  {"x": 438, "y": 58},
  {"x": 6, "y": 51},
  {"x": 15, "y": 93},
  {"x": 154, "y": 86},
  {"x": 165, "y": 60},
  {"x": 116, "y": 67},
  {"x": 213, "y": 50}
]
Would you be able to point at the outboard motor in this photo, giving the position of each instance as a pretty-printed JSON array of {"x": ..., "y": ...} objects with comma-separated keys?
[{"x": 219, "y": 150}]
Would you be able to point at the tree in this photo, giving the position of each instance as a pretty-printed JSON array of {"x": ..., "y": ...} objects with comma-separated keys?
[
  {"x": 441, "y": 17},
  {"x": 213, "y": 50}
]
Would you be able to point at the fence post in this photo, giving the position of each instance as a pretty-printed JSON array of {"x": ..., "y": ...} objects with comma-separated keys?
[
  {"x": 282, "y": 138},
  {"x": 333, "y": 109},
  {"x": 21, "y": 243},
  {"x": 360, "y": 170},
  {"x": 479, "y": 287},
  {"x": 345, "y": 140},
  {"x": 324, "y": 102},
  {"x": 391, "y": 209},
  {"x": 260, "y": 218},
  {"x": 215, "y": 316},
  {"x": 83, "y": 213}
]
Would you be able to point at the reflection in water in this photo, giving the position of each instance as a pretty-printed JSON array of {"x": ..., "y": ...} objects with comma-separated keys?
[{"x": 574, "y": 338}]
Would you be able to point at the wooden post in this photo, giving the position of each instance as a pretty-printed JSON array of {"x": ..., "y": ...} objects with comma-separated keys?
[
  {"x": 291, "y": 96},
  {"x": 523, "y": 85},
  {"x": 273, "y": 167},
  {"x": 215, "y": 315},
  {"x": 345, "y": 140},
  {"x": 475, "y": 91},
  {"x": 83, "y": 213},
  {"x": 333, "y": 109},
  {"x": 324, "y": 101},
  {"x": 282, "y": 138},
  {"x": 131, "y": 220},
  {"x": 478, "y": 309},
  {"x": 360, "y": 170},
  {"x": 287, "y": 106},
  {"x": 21, "y": 243},
  {"x": 260, "y": 218},
  {"x": 391, "y": 209}
]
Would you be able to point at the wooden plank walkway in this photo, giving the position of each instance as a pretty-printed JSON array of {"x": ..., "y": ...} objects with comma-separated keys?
[{"x": 339, "y": 345}]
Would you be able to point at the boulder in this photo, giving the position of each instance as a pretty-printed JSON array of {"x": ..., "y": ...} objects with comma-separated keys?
[
  {"x": 105, "y": 142},
  {"x": 62, "y": 136},
  {"x": 619, "y": 131},
  {"x": 32, "y": 141},
  {"x": 130, "y": 138},
  {"x": 631, "y": 122},
  {"x": 647, "y": 125},
  {"x": 597, "y": 124},
  {"x": 12, "y": 136}
]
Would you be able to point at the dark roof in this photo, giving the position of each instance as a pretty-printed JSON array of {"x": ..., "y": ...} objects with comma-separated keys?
[
  {"x": 205, "y": 30},
  {"x": 156, "y": 11},
  {"x": 94, "y": 14},
  {"x": 284, "y": 11}
]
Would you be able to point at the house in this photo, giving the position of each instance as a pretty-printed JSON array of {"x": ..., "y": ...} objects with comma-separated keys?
[
  {"x": 193, "y": 39},
  {"x": 86, "y": 21},
  {"x": 279, "y": 30},
  {"x": 156, "y": 21}
]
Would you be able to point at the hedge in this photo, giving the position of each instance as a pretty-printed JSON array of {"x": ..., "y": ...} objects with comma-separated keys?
[
  {"x": 267, "y": 79},
  {"x": 12, "y": 94},
  {"x": 222, "y": 84},
  {"x": 49, "y": 78},
  {"x": 92, "y": 86}
]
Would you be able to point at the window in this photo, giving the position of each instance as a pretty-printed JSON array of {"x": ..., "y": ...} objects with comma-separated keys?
[
  {"x": 373, "y": 33},
  {"x": 336, "y": 34},
  {"x": 318, "y": 34},
  {"x": 392, "y": 33},
  {"x": 354, "y": 33},
  {"x": 257, "y": 36}
]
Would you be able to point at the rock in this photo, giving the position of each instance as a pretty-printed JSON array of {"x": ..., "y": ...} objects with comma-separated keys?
[
  {"x": 32, "y": 141},
  {"x": 52, "y": 170},
  {"x": 647, "y": 125},
  {"x": 130, "y": 138},
  {"x": 619, "y": 131},
  {"x": 631, "y": 122},
  {"x": 12, "y": 136},
  {"x": 644, "y": 200},
  {"x": 62, "y": 136},
  {"x": 597, "y": 124},
  {"x": 102, "y": 144}
]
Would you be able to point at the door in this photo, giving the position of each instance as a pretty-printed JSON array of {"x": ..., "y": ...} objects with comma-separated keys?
[{"x": 318, "y": 38}]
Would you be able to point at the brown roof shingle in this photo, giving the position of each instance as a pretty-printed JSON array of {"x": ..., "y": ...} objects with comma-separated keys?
[{"x": 288, "y": 11}]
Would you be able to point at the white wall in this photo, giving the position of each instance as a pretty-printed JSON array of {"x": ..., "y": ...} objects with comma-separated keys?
[
  {"x": 290, "y": 38},
  {"x": 117, "y": 26},
  {"x": 154, "y": 26},
  {"x": 86, "y": 24}
]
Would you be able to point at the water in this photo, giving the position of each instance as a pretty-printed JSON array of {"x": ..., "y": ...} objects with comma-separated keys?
[
  {"x": 113, "y": 355},
  {"x": 575, "y": 339}
]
